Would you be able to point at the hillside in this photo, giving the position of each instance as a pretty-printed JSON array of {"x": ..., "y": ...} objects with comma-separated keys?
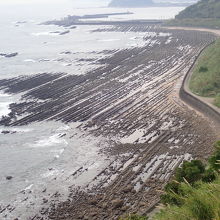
[
  {"x": 203, "y": 9},
  {"x": 205, "y": 13},
  {"x": 205, "y": 80}
]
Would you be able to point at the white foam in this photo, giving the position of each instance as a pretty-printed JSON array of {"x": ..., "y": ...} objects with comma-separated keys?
[
  {"x": 132, "y": 45},
  {"x": 50, "y": 173},
  {"x": 66, "y": 64},
  {"x": 133, "y": 38},
  {"x": 28, "y": 187},
  {"x": 49, "y": 141},
  {"x": 163, "y": 34},
  {"x": 108, "y": 40},
  {"x": 60, "y": 151},
  {"x": 22, "y": 130},
  {"x": 45, "y": 34},
  {"x": 30, "y": 60},
  {"x": 63, "y": 128},
  {"x": 17, "y": 130},
  {"x": 5, "y": 100},
  {"x": 4, "y": 94},
  {"x": 4, "y": 108}
]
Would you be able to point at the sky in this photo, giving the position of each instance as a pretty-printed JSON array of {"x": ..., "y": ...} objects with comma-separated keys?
[
  {"x": 75, "y": 2},
  {"x": 19, "y": 1},
  {"x": 48, "y": 8}
]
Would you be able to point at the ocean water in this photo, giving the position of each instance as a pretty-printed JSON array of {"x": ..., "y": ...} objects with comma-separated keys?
[
  {"x": 40, "y": 49},
  {"x": 44, "y": 155}
]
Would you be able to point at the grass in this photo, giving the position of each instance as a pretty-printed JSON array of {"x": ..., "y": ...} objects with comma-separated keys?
[
  {"x": 202, "y": 9},
  {"x": 205, "y": 13},
  {"x": 217, "y": 100},
  {"x": 205, "y": 80},
  {"x": 202, "y": 203},
  {"x": 134, "y": 217}
]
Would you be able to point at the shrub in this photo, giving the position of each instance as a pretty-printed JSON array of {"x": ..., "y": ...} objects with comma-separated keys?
[
  {"x": 176, "y": 196},
  {"x": 214, "y": 160},
  {"x": 200, "y": 203},
  {"x": 172, "y": 186},
  {"x": 217, "y": 100},
  {"x": 203, "y": 69},
  {"x": 171, "y": 197},
  {"x": 209, "y": 176},
  {"x": 191, "y": 171},
  {"x": 134, "y": 217}
]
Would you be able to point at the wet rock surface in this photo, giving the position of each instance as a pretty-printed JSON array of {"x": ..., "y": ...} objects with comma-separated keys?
[
  {"x": 9, "y": 55},
  {"x": 132, "y": 100},
  {"x": 8, "y": 177}
]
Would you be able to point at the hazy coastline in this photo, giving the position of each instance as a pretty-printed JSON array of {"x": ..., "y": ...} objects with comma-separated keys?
[{"x": 87, "y": 86}]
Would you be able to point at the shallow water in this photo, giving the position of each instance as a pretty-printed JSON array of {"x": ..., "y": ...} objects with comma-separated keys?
[
  {"x": 39, "y": 48},
  {"x": 42, "y": 158}
]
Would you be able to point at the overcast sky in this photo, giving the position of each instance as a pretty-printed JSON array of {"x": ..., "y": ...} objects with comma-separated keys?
[{"x": 75, "y": 2}]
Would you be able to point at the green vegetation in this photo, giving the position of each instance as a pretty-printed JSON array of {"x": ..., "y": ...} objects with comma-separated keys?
[
  {"x": 194, "y": 192},
  {"x": 215, "y": 158},
  {"x": 199, "y": 203},
  {"x": 205, "y": 80},
  {"x": 217, "y": 100},
  {"x": 189, "y": 174},
  {"x": 206, "y": 13},
  {"x": 202, "y": 9},
  {"x": 134, "y": 217}
]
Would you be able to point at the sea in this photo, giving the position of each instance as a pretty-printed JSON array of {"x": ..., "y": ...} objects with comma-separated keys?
[{"x": 37, "y": 160}]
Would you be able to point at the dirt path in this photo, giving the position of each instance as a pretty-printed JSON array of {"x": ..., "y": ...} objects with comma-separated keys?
[{"x": 217, "y": 32}]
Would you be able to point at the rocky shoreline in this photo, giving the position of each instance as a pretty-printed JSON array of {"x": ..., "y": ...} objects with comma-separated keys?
[
  {"x": 9, "y": 55},
  {"x": 132, "y": 101}
]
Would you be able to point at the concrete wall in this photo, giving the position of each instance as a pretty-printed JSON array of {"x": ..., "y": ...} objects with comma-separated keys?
[{"x": 195, "y": 101}]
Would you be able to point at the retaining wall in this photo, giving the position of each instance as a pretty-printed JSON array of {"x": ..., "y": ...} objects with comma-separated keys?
[{"x": 195, "y": 101}]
